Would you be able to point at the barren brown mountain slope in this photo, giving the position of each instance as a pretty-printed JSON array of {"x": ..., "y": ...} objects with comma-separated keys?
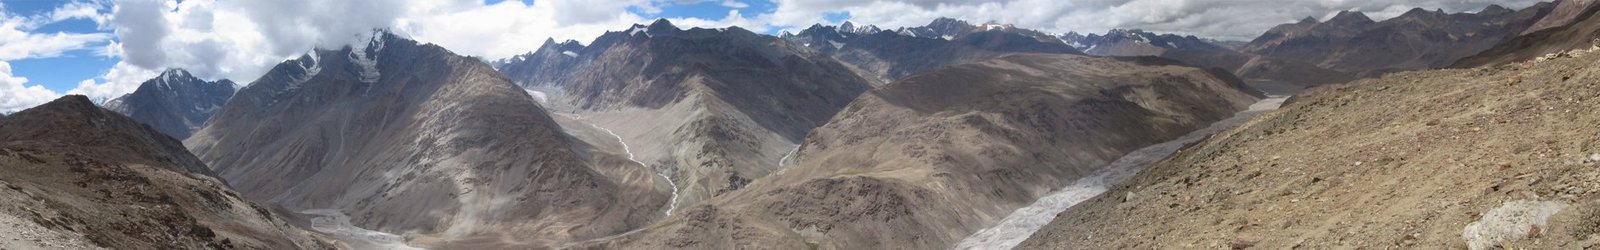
[
  {"x": 1573, "y": 25},
  {"x": 1565, "y": 13},
  {"x": 1205, "y": 53},
  {"x": 80, "y": 177},
  {"x": 712, "y": 109},
  {"x": 1417, "y": 39},
  {"x": 1500, "y": 156},
  {"x": 411, "y": 139},
  {"x": 927, "y": 160}
]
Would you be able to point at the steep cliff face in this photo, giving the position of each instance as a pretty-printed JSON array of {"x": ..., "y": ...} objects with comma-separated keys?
[
  {"x": 411, "y": 139},
  {"x": 175, "y": 103},
  {"x": 929, "y": 159},
  {"x": 81, "y": 177}
]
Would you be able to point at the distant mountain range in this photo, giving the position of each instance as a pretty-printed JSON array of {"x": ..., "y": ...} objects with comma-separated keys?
[
  {"x": 1418, "y": 39},
  {"x": 891, "y": 55},
  {"x": 1120, "y": 42}
]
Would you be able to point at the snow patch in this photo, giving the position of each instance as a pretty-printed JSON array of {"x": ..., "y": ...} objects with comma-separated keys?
[
  {"x": 948, "y": 37},
  {"x": 569, "y": 53},
  {"x": 836, "y": 45},
  {"x": 638, "y": 29},
  {"x": 359, "y": 55},
  {"x": 539, "y": 95}
]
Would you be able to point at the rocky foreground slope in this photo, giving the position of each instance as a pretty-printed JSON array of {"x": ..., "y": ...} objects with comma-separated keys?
[
  {"x": 410, "y": 139},
  {"x": 175, "y": 103},
  {"x": 1501, "y": 156},
  {"x": 76, "y": 176},
  {"x": 927, "y": 160}
]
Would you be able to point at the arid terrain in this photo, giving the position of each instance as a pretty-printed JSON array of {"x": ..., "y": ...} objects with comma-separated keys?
[
  {"x": 1500, "y": 156},
  {"x": 799, "y": 124},
  {"x": 409, "y": 139},
  {"x": 931, "y": 158},
  {"x": 81, "y": 177}
]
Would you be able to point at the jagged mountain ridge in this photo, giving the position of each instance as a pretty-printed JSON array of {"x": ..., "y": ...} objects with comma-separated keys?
[
  {"x": 1204, "y": 53},
  {"x": 887, "y": 56},
  {"x": 82, "y": 177},
  {"x": 1571, "y": 25},
  {"x": 1417, "y": 39},
  {"x": 1123, "y": 42},
  {"x": 411, "y": 139},
  {"x": 176, "y": 103}
]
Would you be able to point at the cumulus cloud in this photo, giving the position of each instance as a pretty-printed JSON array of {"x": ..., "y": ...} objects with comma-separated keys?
[
  {"x": 241, "y": 40},
  {"x": 18, "y": 41},
  {"x": 16, "y": 95},
  {"x": 513, "y": 27},
  {"x": 734, "y": 4}
]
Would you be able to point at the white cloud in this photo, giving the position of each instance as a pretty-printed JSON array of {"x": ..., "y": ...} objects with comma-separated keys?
[
  {"x": 16, "y": 95},
  {"x": 732, "y": 19},
  {"x": 121, "y": 79},
  {"x": 734, "y": 4},
  {"x": 18, "y": 41},
  {"x": 512, "y": 27},
  {"x": 240, "y": 40}
]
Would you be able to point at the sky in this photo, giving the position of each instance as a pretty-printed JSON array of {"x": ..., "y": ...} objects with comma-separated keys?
[{"x": 106, "y": 48}]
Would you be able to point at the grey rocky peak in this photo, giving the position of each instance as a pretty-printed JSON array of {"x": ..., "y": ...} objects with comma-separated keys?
[{"x": 176, "y": 102}]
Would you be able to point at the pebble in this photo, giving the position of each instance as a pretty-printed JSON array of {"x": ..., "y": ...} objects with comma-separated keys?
[{"x": 1244, "y": 241}]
